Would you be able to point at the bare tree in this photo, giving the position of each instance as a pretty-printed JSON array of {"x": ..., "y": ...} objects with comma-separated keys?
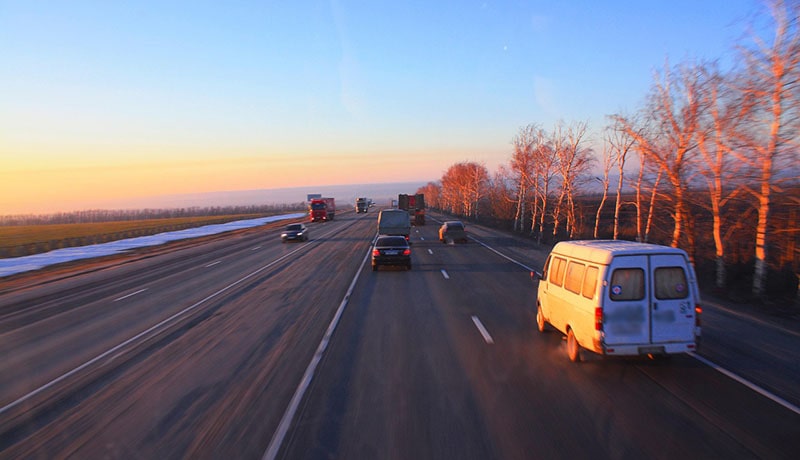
[
  {"x": 545, "y": 168},
  {"x": 463, "y": 184},
  {"x": 620, "y": 144},
  {"x": 726, "y": 114},
  {"x": 574, "y": 162},
  {"x": 522, "y": 167},
  {"x": 608, "y": 163},
  {"x": 675, "y": 105},
  {"x": 433, "y": 194},
  {"x": 773, "y": 68}
]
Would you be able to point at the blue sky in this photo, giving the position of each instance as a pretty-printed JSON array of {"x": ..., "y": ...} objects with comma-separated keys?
[{"x": 105, "y": 101}]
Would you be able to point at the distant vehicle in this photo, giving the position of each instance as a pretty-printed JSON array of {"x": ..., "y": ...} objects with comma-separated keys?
[
  {"x": 322, "y": 209},
  {"x": 391, "y": 250},
  {"x": 619, "y": 298},
  {"x": 362, "y": 205},
  {"x": 394, "y": 222},
  {"x": 453, "y": 230},
  {"x": 294, "y": 232},
  {"x": 415, "y": 205}
]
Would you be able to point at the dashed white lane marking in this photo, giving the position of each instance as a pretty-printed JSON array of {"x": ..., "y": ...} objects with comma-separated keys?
[
  {"x": 130, "y": 295},
  {"x": 430, "y": 251},
  {"x": 444, "y": 273},
  {"x": 256, "y": 248},
  {"x": 746, "y": 383},
  {"x": 486, "y": 336},
  {"x": 213, "y": 263},
  {"x": 114, "y": 351}
]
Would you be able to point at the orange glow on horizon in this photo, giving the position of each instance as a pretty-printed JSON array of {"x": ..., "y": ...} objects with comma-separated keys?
[{"x": 43, "y": 184}]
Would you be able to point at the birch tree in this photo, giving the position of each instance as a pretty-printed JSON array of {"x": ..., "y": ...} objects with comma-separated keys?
[
  {"x": 522, "y": 167},
  {"x": 773, "y": 68},
  {"x": 620, "y": 144},
  {"x": 608, "y": 163},
  {"x": 726, "y": 115},
  {"x": 675, "y": 105}
]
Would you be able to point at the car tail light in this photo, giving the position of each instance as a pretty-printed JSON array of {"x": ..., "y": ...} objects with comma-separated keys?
[
  {"x": 376, "y": 252},
  {"x": 698, "y": 310},
  {"x": 598, "y": 319},
  {"x": 407, "y": 252}
]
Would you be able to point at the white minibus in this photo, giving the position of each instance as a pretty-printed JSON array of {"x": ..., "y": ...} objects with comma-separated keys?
[{"x": 619, "y": 298}]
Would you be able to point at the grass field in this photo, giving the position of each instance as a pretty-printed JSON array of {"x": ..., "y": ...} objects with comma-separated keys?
[{"x": 23, "y": 240}]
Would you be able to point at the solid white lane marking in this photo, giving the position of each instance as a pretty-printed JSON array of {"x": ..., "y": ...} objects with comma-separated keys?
[
  {"x": 486, "y": 336},
  {"x": 747, "y": 383},
  {"x": 286, "y": 421},
  {"x": 502, "y": 255},
  {"x": 444, "y": 273},
  {"x": 430, "y": 251},
  {"x": 130, "y": 295},
  {"x": 213, "y": 263}
]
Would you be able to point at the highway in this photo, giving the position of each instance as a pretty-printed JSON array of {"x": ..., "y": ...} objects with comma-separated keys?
[{"x": 243, "y": 347}]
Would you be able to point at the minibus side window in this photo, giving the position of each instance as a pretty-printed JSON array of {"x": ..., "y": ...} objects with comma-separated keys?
[
  {"x": 670, "y": 283},
  {"x": 574, "y": 277},
  {"x": 590, "y": 282},
  {"x": 557, "y": 272},
  {"x": 544, "y": 269},
  {"x": 627, "y": 284}
]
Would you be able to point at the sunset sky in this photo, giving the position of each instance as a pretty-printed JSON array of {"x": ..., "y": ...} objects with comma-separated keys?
[{"x": 109, "y": 101}]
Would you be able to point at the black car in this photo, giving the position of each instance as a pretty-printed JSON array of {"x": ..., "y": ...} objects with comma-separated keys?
[
  {"x": 391, "y": 250},
  {"x": 294, "y": 232}
]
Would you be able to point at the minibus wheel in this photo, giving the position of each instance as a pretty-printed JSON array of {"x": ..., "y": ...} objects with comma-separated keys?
[
  {"x": 573, "y": 349},
  {"x": 541, "y": 325}
]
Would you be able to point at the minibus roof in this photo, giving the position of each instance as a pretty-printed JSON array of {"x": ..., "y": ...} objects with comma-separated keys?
[{"x": 603, "y": 251}]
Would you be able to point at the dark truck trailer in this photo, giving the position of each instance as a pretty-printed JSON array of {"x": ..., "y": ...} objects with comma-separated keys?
[
  {"x": 362, "y": 205},
  {"x": 414, "y": 205}
]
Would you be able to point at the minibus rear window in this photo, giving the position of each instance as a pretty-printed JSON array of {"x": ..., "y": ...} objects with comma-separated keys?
[
  {"x": 670, "y": 283},
  {"x": 627, "y": 284}
]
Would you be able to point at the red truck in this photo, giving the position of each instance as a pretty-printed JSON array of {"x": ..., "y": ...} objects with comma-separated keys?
[
  {"x": 415, "y": 205},
  {"x": 323, "y": 209}
]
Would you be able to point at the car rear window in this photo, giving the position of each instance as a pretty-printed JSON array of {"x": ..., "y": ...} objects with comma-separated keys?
[
  {"x": 391, "y": 241},
  {"x": 455, "y": 226}
]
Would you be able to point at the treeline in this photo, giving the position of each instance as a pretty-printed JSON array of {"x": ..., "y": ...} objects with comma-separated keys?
[
  {"x": 709, "y": 163},
  {"x": 105, "y": 215}
]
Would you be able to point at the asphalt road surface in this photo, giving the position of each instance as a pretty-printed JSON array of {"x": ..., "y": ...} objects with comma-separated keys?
[{"x": 241, "y": 347}]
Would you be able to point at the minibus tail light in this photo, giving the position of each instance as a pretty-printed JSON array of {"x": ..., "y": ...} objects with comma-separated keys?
[
  {"x": 698, "y": 310},
  {"x": 598, "y": 319}
]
